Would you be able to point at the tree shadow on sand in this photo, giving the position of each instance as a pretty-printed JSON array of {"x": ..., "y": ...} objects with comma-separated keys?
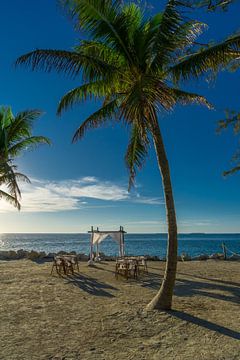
[
  {"x": 188, "y": 287},
  {"x": 205, "y": 324},
  {"x": 211, "y": 279},
  {"x": 91, "y": 285}
]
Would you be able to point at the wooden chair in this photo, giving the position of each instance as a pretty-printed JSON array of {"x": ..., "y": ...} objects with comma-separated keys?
[
  {"x": 126, "y": 268},
  {"x": 58, "y": 265},
  {"x": 68, "y": 266},
  {"x": 73, "y": 259},
  {"x": 142, "y": 264}
]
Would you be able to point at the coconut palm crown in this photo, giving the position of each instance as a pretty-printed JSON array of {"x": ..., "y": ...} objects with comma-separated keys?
[
  {"x": 15, "y": 137},
  {"x": 134, "y": 64}
]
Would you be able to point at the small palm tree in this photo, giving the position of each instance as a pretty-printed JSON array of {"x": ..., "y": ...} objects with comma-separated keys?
[
  {"x": 133, "y": 63},
  {"x": 232, "y": 120},
  {"x": 15, "y": 137}
]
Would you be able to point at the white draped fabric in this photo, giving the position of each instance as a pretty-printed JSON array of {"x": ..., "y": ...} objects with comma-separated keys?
[{"x": 99, "y": 237}]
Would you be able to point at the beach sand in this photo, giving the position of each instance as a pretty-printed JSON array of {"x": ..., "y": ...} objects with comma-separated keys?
[{"x": 94, "y": 316}]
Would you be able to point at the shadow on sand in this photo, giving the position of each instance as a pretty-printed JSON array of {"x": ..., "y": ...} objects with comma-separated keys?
[
  {"x": 90, "y": 285},
  {"x": 212, "y": 288},
  {"x": 205, "y": 324}
]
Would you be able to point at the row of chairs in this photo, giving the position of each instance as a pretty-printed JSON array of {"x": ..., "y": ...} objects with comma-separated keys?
[
  {"x": 65, "y": 264},
  {"x": 130, "y": 266},
  {"x": 127, "y": 266}
]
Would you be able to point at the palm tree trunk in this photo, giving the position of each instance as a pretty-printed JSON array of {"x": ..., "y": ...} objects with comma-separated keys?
[{"x": 163, "y": 299}]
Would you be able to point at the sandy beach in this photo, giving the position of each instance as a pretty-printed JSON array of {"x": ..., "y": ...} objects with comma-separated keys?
[{"x": 94, "y": 316}]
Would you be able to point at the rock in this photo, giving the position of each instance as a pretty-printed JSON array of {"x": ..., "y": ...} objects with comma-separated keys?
[
  {"x": 12, "y": 254},
  {"x": 82, "y": 257},
  {"x": 8, "y": 255},
  {"x": 152, "y": 258},
  {"x": 216, "y": 256},
  {"x": 203, "y": 257},
  {"x": 109, "y": 258},
  {"x": 32, "y": 255},
  {"x": 62, "y": 253},
  {"x": 21, "y": 254},
  {"x": 234, "y": 257},
  {"x": 2, "y": 255},
  {"x": 50, "y": 255},
  {"x": 42, "y": 254}
]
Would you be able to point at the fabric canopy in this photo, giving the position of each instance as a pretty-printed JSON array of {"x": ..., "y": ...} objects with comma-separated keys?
[{"x": 99, "y": 237}]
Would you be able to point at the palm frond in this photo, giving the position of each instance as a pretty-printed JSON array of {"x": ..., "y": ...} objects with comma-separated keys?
[
  {"x": 185, "y": 98},
  {"x": 27, "y": 144},
  {"x": 106, "y": 113},
  {"x": 96, "y": 90},
  {"x": 66, "y": 62},
  {"x": 144, "y": 94},
  {"x": 9, "y": 179},
  {"x": 100, "y": 19},
  {"x": 163, "y": 27},
  {"x": 101, "y": 51},
  {"x": 232, "y": 171},
  {"x": 21, "y": 125},
  {"x": 10, "y": 199},
  {"x": 15, "y": 136},
  {"x": 213, "y": 59},
  {"x": 136, "y": 153}
]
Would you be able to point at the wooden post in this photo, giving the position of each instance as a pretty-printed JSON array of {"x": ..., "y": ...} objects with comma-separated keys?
[
  {"x": 97, "y": 251},
  {"x": 91, "y": 243},
  {"x": 224, "y": 251},
  {"x": 123, "y": 250}
]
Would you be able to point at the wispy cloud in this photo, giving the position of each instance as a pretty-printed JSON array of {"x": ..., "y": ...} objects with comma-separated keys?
[
  {"x": 196, "y": 222},
  {"x": 66, "y": 195},
  {"x": 149, "y": 200},
  {"x": 144, "y": 222}
]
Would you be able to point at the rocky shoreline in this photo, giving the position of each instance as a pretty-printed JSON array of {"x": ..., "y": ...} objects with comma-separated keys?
[{"x": 43, "y": 256}]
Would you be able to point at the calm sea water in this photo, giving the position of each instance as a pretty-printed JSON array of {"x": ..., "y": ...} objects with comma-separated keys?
[{"x": 135, "y": 244}]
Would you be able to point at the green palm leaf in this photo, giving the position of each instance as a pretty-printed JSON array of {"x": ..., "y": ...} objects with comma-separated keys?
[
  {"x": 185, "y": 98},
  {"x": 214, "y": 58},
  {"x": 15, "y": 137},
  {"x": 136, "y": 153},
  {"x": 96, "y": 90},
  {"x": 67, "y": 62},
  {"x": 9, "y": 198},
  {"x": 106, "y": 113},
  {"x": 100, "y": 19},
  {"x": 30, "y": 143}
]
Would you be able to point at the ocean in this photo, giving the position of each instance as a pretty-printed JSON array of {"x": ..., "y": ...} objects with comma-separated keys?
[{"x": 135, "y": 244}]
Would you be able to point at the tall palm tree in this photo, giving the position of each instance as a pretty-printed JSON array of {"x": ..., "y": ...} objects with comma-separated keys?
[
  {"x": 133, "y": 63},
  {"x": 15, "y": 137}
]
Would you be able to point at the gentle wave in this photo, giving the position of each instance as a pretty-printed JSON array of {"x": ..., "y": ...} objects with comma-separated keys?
[{"x": 136, "y": 244}]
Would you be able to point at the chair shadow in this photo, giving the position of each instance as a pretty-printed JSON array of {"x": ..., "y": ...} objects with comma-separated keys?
[
  {"x": 150, "y": 280},
  {"x": 90, "y": 285},
  {"x": 102, "y": 268},
  {"x": 205, "y": 324}
]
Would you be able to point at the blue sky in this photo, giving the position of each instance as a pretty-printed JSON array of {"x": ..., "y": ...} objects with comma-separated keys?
[{"x": 76, "y": 186}]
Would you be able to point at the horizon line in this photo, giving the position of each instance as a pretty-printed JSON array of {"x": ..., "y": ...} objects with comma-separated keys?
[{"x": 134, "y": 233}]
